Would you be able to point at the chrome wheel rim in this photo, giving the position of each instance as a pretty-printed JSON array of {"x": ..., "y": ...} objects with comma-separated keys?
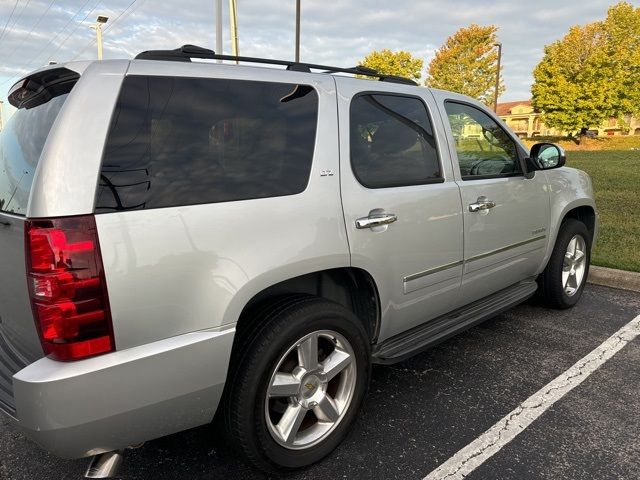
[
  {"x": 574, "y": 265},
  {"x": 310, "y": 390}
]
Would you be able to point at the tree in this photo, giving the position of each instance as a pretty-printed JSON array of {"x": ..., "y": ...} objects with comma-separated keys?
[
  {"x": 568, "y": 86},
  {"x": 592, "y": 73},
  {"x": 401, "y": 63},
  {"x": 467, "y": 63},
  {"x": 621, "y": 31}
]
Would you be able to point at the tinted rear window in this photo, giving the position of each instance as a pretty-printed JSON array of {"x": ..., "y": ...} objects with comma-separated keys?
[
  {"x": 186, "y": 141},
  {"x": 392, "y": 142},
  {"x": 21, "y": 144}
]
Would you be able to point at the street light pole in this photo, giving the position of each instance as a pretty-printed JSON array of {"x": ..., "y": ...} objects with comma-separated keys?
[
  {"x": 100, "y": 21},
  {"x": 297, "y": 30},
  {"x": 99, "y": 39},
  {"x": 233, "y": 19},
  {"x": 219, "y": 28},
  {"x": 495, "y": 102}
]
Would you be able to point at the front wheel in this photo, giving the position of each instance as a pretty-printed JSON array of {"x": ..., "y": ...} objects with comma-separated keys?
[
  {"x": 562, "y": 282},
  {"x": 298, "y": 382}
]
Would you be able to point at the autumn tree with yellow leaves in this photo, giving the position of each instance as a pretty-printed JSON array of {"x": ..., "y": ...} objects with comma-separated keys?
[
  {"x": 467, "y": 63},
  {"x": 401, "y": 63}
]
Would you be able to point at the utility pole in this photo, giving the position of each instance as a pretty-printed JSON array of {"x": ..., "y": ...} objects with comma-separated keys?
[
  {"x": 100, "y": 21},
  {"x": 219, "y": 28},
  {"x": 297, "y": 30},
  {"x": 233, "y": 20},
  {"x": 495, "y": 102}
]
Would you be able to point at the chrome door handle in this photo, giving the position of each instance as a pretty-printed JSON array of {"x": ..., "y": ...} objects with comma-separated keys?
[
  {"x": 376, "y": 220},
  {"x": 483, "y": 203}
]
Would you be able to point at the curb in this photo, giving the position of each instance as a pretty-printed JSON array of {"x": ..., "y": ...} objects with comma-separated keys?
[{"x": 610, "y": 277}]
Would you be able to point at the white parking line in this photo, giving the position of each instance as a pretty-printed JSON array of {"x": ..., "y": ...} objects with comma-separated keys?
[{"x": 490, "y": 442}]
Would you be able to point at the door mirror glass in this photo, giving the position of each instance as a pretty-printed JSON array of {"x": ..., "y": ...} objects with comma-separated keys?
[{"x": 545, "y": 156}]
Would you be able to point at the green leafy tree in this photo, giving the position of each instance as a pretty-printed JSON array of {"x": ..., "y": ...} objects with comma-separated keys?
[
  {"x": 400, "y": 63},
  {"x": 467, "y": 63},
  {"x": 621, "y": 62},
  {"x": 592, "y": 73}
]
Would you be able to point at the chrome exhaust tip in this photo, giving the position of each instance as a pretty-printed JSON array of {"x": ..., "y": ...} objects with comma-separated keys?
[{"x": 105, "y": 465}]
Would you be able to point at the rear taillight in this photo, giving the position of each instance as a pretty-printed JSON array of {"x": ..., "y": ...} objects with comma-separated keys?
[{"x": 67, "y": 287}]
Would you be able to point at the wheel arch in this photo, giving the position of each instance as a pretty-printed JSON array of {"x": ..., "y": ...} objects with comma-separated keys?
[
  {"x": 582, "y": 210},
  {"x": 585, "y": 214},
  {"x": 351, "y": 287}
]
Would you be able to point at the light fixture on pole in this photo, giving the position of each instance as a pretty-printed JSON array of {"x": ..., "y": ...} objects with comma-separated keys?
[
  {"x": 100, "y": 21},
  {"x": 495, "y": 99}
]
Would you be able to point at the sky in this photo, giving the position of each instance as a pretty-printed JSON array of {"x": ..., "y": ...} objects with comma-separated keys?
[{"x": 332, "y": 32}]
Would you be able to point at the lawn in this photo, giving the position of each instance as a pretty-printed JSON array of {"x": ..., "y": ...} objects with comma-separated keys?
[
  {"x": 614, "y": 142},
  {"x": 616, "y": 181}
]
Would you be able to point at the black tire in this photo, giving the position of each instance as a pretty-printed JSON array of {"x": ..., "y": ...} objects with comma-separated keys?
[
  {"x": 551, "y": 291},
  {"x": 256, "y": 354}
]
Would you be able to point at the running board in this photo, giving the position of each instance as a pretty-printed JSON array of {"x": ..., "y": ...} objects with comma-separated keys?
[{"x": 407, "y": 344}]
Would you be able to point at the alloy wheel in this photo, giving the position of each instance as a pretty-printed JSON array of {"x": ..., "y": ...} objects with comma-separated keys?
[
  {"x": 310, "y": 390},
  {"x": 574, "y": 265}
]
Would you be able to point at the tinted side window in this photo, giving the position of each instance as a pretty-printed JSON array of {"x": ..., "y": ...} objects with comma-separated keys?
[
  {"x": 186, "y": 141},
  {"x": 484, "y": 148},
  {"x": 392, "y": 142}
]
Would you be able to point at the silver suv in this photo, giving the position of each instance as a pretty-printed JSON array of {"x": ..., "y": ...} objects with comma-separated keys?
[{"x": 181, "y": 238}]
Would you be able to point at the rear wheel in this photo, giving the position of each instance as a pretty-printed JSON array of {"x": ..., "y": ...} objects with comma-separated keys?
[
  {"x": 297, "y": 383},
  {"x": 562, "y": 282}
]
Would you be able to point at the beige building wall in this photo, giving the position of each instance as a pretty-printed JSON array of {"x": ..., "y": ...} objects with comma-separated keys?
[{"x": 526, "y": 122}]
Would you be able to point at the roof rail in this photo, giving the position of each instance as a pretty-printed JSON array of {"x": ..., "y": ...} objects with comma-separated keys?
[{"x": 187, "y": 52}]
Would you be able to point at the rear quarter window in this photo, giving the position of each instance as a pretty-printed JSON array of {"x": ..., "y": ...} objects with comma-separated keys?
[{"x": 186, "y": 141}]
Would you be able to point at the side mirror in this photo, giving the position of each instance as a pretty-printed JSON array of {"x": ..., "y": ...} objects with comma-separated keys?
[{"x": 545, "y": 156}]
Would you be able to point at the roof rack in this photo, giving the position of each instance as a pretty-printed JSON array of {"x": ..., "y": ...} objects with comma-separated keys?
[{"x": 187, "y": 52}]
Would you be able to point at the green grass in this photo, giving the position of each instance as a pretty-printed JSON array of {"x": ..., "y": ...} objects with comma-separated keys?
[{"x": 616, "y": 181}]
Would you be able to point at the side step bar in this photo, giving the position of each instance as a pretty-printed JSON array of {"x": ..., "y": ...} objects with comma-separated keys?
[{"x": 407, "y": 344}]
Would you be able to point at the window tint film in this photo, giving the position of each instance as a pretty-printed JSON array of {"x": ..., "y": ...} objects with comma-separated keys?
[
  {"x": 484, "y": 148},
  {"x": 21, "y": 143},
  {"x": 186, "y": 141},
  {"x": 392, "y": 142}
]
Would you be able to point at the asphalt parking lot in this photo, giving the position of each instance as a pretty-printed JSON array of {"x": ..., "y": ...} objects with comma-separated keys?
[{"x": 421, "y": 412}]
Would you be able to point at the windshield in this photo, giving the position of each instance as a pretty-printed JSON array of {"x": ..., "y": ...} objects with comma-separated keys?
[{"x": 21, "y": 143}]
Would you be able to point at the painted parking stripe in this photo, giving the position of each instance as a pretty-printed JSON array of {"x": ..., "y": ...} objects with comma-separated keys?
[{"x": 490, "y": 442}]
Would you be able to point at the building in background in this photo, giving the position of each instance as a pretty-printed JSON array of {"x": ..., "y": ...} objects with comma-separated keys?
[{"x": 525, "y": 121}]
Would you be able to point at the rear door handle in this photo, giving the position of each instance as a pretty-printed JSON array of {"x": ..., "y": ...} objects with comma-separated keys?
[
  {"x": 376, "y": 220},
  {"x": 483, "y": 203}
]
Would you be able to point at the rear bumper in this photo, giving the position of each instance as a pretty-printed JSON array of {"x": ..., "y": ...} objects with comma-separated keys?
[{"x": 123, "y": 398}]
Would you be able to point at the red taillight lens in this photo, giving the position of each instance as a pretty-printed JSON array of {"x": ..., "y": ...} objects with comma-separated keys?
[{"x": 67, "y": 287}]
